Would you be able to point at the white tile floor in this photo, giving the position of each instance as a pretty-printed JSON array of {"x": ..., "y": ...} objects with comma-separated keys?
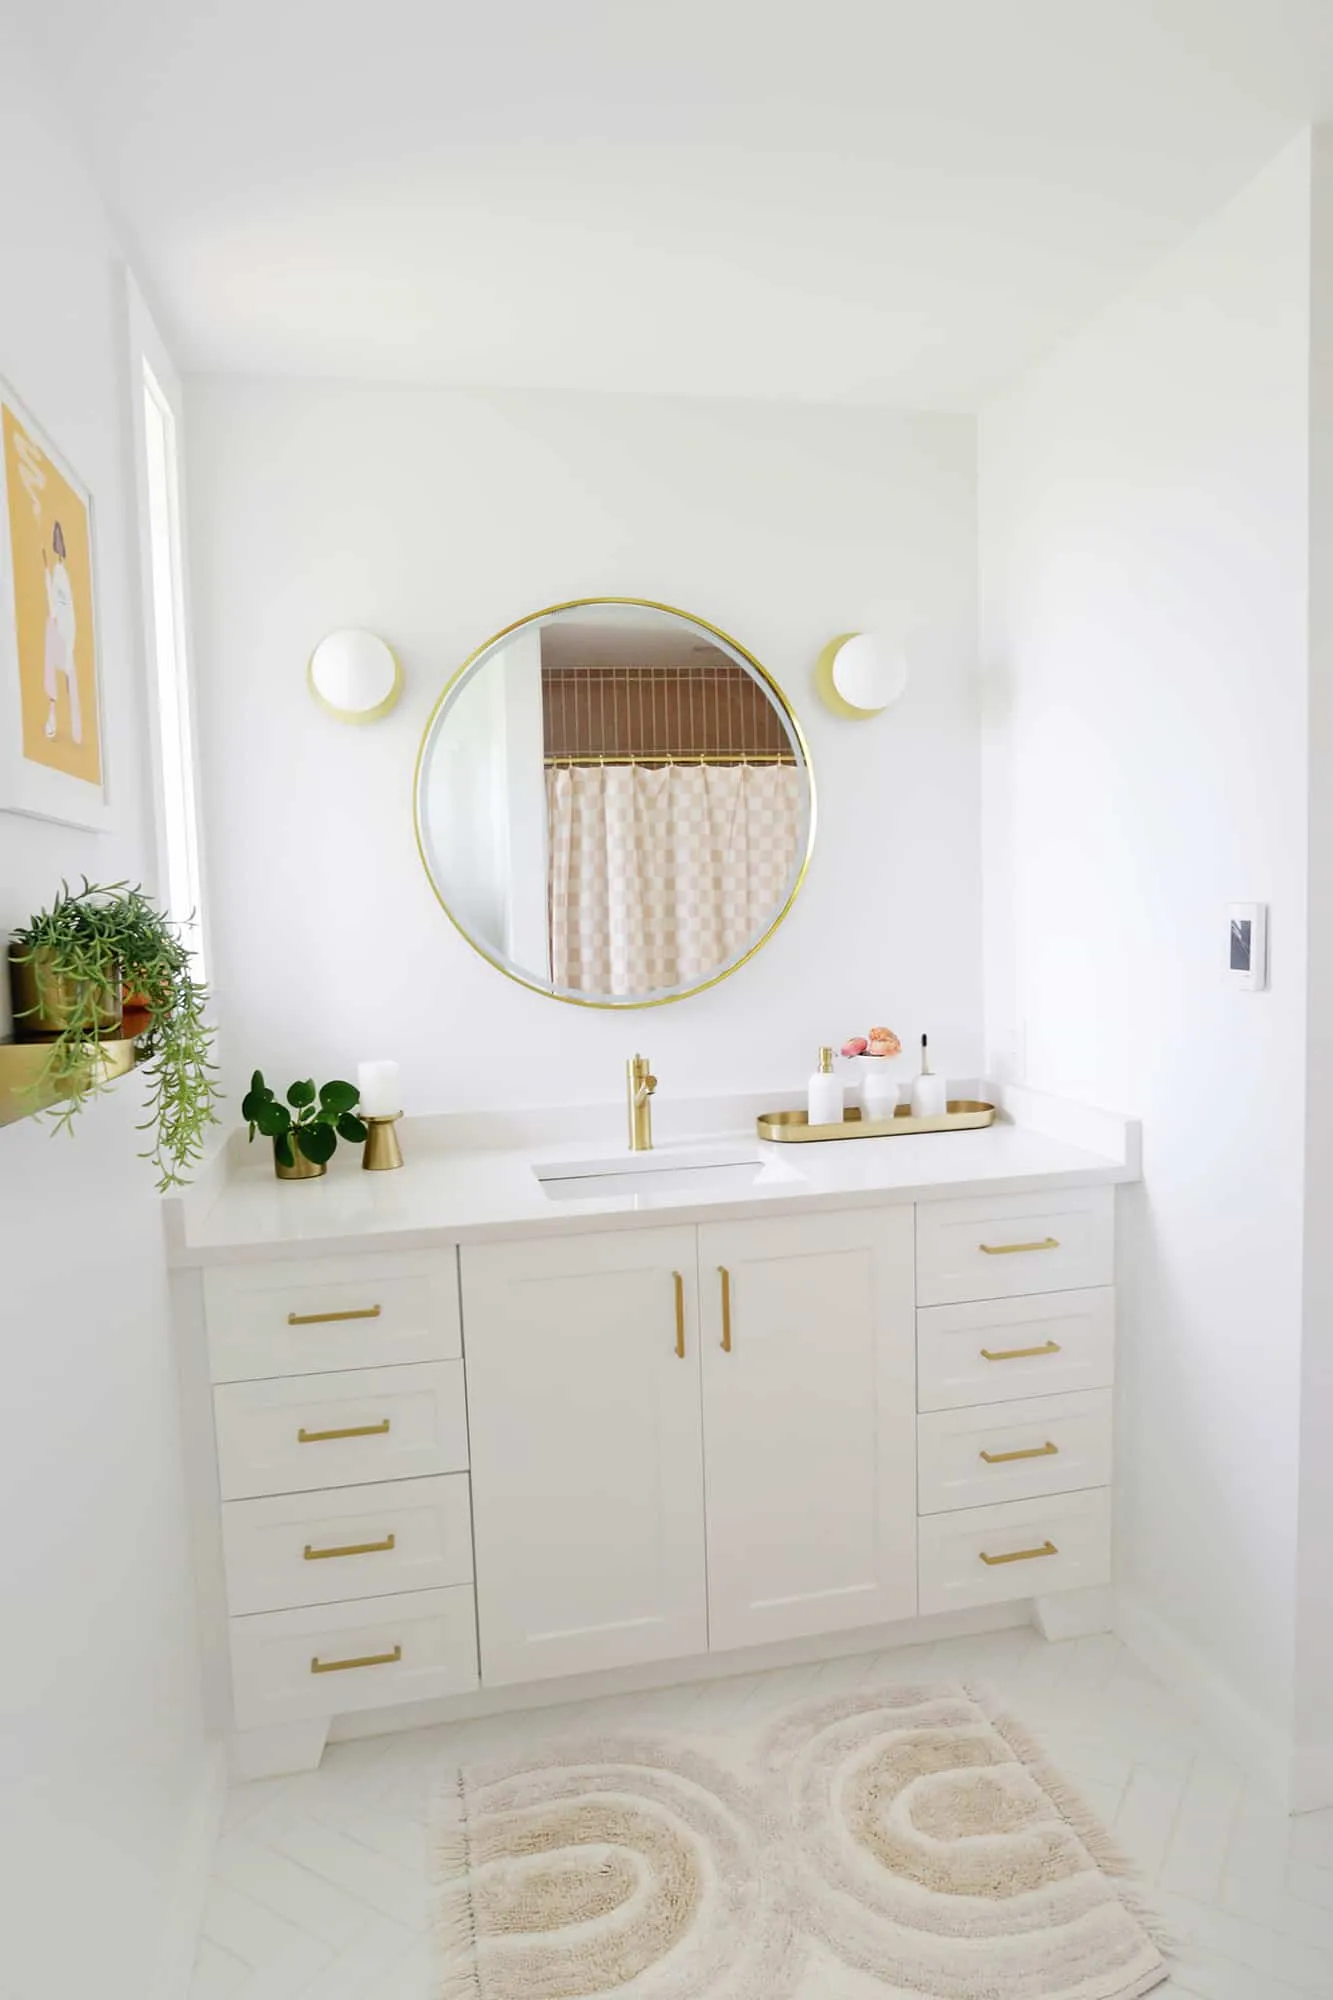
[{"x": 320, "y": 1883}]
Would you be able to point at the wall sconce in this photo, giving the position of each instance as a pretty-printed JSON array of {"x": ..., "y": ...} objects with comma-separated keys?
[
  {"x": 860, "y": 674},
  {"x": 354, "y": 676}
]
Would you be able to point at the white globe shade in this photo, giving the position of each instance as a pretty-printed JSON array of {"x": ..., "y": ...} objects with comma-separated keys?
[
  {"x": 354, "y": 676},
  {"x": 861, "y": 674}
]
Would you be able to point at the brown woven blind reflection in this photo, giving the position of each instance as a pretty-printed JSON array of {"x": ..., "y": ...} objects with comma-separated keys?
[{"x": 642, "y": 713}]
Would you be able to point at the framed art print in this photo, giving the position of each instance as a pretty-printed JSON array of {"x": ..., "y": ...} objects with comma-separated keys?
[{"x": 52, "y": 752}]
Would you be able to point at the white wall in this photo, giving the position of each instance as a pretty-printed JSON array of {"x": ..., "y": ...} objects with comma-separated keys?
[
  {"x": 103, "y": 1759},
  {"x": 1312, "y": 1758},
  {"x": 1144, "y": 536},
  {"x": 435, "y": 518}
]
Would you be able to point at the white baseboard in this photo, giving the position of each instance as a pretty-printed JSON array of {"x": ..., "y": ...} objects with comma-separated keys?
[
  {"x": 1312, "y": 1778},
  {"x": 678, "y": 1673},
  {"x": 1241, "y": 1732},
  {"x": 199, "y": 1838}
]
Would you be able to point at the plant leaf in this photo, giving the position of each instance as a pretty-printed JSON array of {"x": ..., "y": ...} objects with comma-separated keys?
[
  {"x": 258, "y": 1084},
  {"x": 251, "y": 1102},
  {"x": 282, "y": 1150},
  {"x": 351, "y": 1128},
  {"x": 302, "y": 1093},
  {"x": 338, "y": 1096},
  {"x": 318, "y": 1142},
  {"x": 273, "y": 1119}
]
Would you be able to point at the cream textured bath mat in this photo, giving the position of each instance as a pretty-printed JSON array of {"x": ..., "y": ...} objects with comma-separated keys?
[{"x": 908, "y": 1841}]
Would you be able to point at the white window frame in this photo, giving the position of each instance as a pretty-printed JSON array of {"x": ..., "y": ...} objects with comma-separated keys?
[{"x": 168, "y": 649}]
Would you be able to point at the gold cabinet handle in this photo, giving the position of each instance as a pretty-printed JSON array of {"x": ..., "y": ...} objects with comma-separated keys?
[
  {"x": 680, "y": 1314},
  {"x": 1034, "y": 1451},
  {"x": 352, "y": 1549},
  {"x": 1021, "y": 1555},
  {"x": 346, "y": 1666},
  {"x": 327, "y": 1319},
  {"x": 725, "y": 1276},
  {"x": 1019, "y": 1353},
  {"x": 1016, "y": 1249},
  {"x": 303, "y": 1436}
]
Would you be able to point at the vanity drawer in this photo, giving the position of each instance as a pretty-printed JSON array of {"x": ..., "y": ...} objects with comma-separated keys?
[
  {"x": 1007, "y": 1349},
  {"x": 334, "y": 1658},
  {"x": 1006, "y": 1245},
  {"x": 368, "y": 1424},
  {"x": 979, "y": 1457},
  {"x": 357, "y": 1541},
  {"x": 1026, "y": 1548},
  {"x": 341, "y": 1312}
]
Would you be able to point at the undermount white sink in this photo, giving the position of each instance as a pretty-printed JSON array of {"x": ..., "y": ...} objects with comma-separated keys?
[{"x": 656, "y": 1177}]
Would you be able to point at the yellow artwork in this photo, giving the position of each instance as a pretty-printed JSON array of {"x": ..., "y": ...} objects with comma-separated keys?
[{"x": 51, "y": 552}]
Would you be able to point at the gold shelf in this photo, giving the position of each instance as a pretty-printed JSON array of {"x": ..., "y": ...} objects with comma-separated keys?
[
  {"x": 788, "y": 1128},
  {"x": 21, "y": 1064}
]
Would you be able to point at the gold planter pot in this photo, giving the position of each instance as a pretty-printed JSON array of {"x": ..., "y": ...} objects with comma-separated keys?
[
  {"x": 45, "y": 1005},
  {"x": 301, "y": 1168}
]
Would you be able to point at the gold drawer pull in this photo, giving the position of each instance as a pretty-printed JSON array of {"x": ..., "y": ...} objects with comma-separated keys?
[
  {"x": 725, "y": 1276},
  {"x": 352, "y": 1549},
  {"x": 1016, "y": 1249},
  {"x": 1008, "y": 1457},
  {"x": 1021, "y": 1555},
  {"x": 304, "y": 1436},
  {"x": 680, "y": 1314},
  {"x": 1019, "y": 1353},
  {"x": 327, "y": 1319},
  {"x": 346, "y": 1666}
]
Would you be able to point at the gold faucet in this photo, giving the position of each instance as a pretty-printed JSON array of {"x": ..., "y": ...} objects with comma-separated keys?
[{"x": 640, "y": 1085}]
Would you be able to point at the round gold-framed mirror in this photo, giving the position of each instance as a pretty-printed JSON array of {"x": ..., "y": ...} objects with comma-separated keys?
[{"x": 614, "y": 802}]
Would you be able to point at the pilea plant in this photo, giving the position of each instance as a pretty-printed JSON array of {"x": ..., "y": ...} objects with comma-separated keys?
[
  {"x": 311, "y": 1119},
  {"x": 93, "y": 947}
]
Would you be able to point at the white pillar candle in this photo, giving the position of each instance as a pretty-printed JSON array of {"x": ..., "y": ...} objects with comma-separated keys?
[{"x": 378, "y": 1084}]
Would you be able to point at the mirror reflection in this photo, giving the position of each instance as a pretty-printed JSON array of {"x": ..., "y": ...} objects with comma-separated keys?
[{"x": 614, "y": 803}]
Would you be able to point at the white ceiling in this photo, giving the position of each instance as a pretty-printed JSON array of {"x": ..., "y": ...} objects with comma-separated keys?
[{"x": 894, "y": 201}]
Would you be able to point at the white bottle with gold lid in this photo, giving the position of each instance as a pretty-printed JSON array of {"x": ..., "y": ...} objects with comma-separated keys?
[{"x": 824, "y": 1099}]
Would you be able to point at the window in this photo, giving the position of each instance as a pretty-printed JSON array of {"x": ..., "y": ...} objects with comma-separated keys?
[{"x": 156, "y": 391}]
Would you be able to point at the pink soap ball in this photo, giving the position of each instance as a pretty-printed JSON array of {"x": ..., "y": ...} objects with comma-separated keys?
[
  {"x": 855, "y": 1047},
  {"x": 883, "y": 1042}
]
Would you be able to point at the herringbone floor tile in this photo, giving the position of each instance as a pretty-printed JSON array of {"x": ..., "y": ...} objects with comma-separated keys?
[{"x": 320, "y": 1886}]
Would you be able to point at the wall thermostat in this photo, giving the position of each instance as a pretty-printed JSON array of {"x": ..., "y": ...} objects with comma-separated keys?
[{"x": 1247, "y": 946}]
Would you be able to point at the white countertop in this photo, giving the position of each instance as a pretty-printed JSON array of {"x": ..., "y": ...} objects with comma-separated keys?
[{"x": 453, "y": 1194}]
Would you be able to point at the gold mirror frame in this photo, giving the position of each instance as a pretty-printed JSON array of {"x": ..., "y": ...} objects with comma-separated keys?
[{"x": 780, "y": 701}]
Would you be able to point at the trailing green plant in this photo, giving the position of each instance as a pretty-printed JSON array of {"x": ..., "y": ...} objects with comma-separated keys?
[
  {"x": 93, "y": 945},
  {"x": 311, "y": 1119}
]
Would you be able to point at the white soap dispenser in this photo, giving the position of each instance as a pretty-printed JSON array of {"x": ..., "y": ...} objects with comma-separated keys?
[
  {"x": 824, "y": 1101},
  {"x": 930, "y": 1093}
]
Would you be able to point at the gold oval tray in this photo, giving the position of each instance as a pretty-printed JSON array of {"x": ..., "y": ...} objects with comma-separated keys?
[{"x": 794, "y": 1128}]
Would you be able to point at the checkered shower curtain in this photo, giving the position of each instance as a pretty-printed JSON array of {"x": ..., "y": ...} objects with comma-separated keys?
[{"x": 661, "y": 875}]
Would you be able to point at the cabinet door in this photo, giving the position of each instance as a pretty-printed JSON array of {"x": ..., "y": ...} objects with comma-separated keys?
[
  {"x": 809, "y": 1423},
  {"x": 587, "y": 1462}
]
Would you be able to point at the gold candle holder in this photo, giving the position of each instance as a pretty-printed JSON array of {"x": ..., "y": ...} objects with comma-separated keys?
[{"x": 382, "y": 1148}]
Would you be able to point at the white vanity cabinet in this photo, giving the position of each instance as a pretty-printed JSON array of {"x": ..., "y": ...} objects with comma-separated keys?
[
  {"x": 340, "y": 1433},
  {"x": 807, "y": 1331},
  {"x": 549, "y": 1456},
  {"x": 615, "y": 1380},
  {"x": 587, "y": 1451},
  {"x": 1015, "y": 1359}
]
